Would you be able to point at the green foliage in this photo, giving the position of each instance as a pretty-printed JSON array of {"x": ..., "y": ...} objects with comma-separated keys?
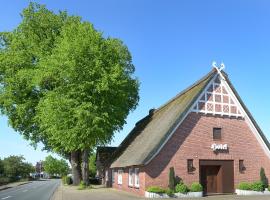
[
  {"x": 244, "y": 186},
  {"x": 4, "y": 180},
  {"x": 181, "y": 188},
  {"x": 171, "y": 179},
  {"x": 263, "y": 178},
  {"x": 20, "y": 53},
  {"x": 257, "y": 186},
  {"x": 196, "y": 187},
  {"x": 82, "y": 186},
  {"x": 1, "y": 167},
  {"x": 92, "y": 165},
  {"x": 63, "y": 83},
  {"x": 170, "y": 192},
  {"x": 156, "y": 189},
  {"x": 15, "y": 167},
  {"x": 66, "y": 180},
  {"x": 54, "y": 166}
]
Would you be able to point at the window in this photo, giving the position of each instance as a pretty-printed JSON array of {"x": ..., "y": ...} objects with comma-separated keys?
[
  {"x": 190, "y": 167},
  {"x": 120, "y": 178},
  {"x": 112, "y": 175},
  {"x": 217, "y": 133},
  {"x": 130, "y": 177},
  {"x": 241, "y": 166},
  {"x": 137, "y": 178},
  {"x": 106, "y": 175}
]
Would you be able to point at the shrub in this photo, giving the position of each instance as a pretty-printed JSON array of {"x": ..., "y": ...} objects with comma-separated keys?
[
  {"x": 244, "y": 186},
  {"x": 196, "y": 187},
  {"x": 171, "y": 179},
  {"x": 64, "y": 180},
  {"x": 82, "y": 185},
  {"x": 4, "y": 180},
  {"x": 156, "y": 189},
  {"x": 263, "y": 178},
  {"x": 170, "y": 192},
  {"x": 269, "y": 188},
  {"x": 257, "y": 186},
  {"x": 68, "y": 180},
  {"x": 181, "y": 188}
]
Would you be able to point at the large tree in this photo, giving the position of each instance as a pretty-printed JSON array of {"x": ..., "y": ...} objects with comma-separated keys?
[
  {"x": 62, "y": 83},
  {"x": 93, "y": 90}
]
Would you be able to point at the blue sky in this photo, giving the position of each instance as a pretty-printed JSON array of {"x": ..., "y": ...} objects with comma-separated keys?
[{"x": 173, "y": 44}]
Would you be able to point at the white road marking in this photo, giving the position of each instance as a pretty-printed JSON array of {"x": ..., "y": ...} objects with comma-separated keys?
[
  {"x": 25, "y": 190},
  {"x": 6, "y": 197}
]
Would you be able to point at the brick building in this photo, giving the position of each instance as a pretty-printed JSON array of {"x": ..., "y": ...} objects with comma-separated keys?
[{"x": 206, "y": 133}]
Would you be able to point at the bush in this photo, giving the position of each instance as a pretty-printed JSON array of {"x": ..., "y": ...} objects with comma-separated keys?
[
  {"x": 4, "y": 180},
  {"x": 181, "y": 188},
  {"x": 82, "y": 185},
  {"x": 196, "y": 187},
  {"x": 68, "y": 180},
  {"x": 244, "y": 186},
  {"x": 156, "y": 189},
  {"x": 64, "y": 180},
  {"x": 170, "y": 192},
  {"x": 257, "y": 186},
  {"x": 263, "y": 178}
]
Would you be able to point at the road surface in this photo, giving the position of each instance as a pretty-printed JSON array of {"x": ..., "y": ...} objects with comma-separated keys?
[{"x": 37, "y": 190}]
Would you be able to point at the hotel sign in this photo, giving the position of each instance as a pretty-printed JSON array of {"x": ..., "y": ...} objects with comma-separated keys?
[{"x": 219, "y": 147}]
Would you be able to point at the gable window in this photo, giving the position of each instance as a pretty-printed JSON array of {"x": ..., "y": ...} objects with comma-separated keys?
[
  {"x": 217, "y": 133},
  {"x": 190, "y": 167},
  {"x": 130, "y": 177},
  {"x": 112, "y": 175},
  {"x": 241, "y": 166},
  {"x": 120, "y": 176},
  {"x": 137, "y": 178}
]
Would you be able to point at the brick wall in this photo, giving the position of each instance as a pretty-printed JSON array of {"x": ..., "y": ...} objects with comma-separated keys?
[
  {"x": 193, "y": 139},
  {"x": 125, "y": 187}
]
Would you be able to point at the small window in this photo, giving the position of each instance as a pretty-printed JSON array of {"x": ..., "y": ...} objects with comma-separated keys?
[
  {"x": 137, "y": 178},
  {"x": 130, "y": 177},
  {"x": 190, "y": 167},
  {"x": 106, "y": 175},
  {"x": 112, "y": 175},
  {"x": 120, "y": 178},
  {"x": 217, "y": 133},
  {"x": 241, "y": 166}
]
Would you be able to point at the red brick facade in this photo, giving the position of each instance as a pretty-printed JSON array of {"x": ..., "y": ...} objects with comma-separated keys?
[{"x": 193, "y": 140}]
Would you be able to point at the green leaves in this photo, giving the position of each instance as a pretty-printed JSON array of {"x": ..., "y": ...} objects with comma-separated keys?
[
  {"x": 62, "y": 83},
  {"x": 54, "y": 166}
]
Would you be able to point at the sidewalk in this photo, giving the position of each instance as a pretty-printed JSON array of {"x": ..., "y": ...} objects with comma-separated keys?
[
  {"x": 98, "y": 193},
  {"x": 15, "y": 184}
]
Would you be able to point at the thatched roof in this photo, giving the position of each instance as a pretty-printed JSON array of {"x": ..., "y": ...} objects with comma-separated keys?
[
  {"x": 149, "y": 133},
  {"x": 152, "y": 132}
]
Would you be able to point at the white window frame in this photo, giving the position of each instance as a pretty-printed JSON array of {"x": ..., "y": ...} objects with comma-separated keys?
[
  {"x": 106, "y": 175},
  {"x": 130, "y": 177},
  {"x": 137, "y": 177},
  {"x": 120, "y": 177},
  {"x": 112, "y": 175}
]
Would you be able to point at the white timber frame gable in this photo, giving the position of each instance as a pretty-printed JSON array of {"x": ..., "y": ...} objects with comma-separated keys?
[
  {"x": 241, "y": 113},
  {"x": 217, "y": 99}
]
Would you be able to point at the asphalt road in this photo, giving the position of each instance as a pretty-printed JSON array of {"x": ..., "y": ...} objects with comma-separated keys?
[{"x": 37, "y": 190}]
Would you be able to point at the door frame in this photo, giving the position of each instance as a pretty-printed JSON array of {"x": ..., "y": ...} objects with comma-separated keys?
[{"x": 227, "y": 174}]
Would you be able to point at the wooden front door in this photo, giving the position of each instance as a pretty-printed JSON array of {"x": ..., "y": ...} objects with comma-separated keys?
[{"x": 209, "y": 179}]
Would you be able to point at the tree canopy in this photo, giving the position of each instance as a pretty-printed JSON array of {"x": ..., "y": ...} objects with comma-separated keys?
[
  {"x": 15, "y": 167},
  {"x": 54, "y": 166},
  {"x": 63, "y": 83}
]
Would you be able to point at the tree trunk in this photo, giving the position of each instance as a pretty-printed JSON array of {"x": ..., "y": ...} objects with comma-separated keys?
[
  {"x": 85, "y": 166},
  {"x": 75, "y": 165}
]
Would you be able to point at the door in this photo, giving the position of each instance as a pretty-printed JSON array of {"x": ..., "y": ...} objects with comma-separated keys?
[{"x": 209, "y": 179}]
